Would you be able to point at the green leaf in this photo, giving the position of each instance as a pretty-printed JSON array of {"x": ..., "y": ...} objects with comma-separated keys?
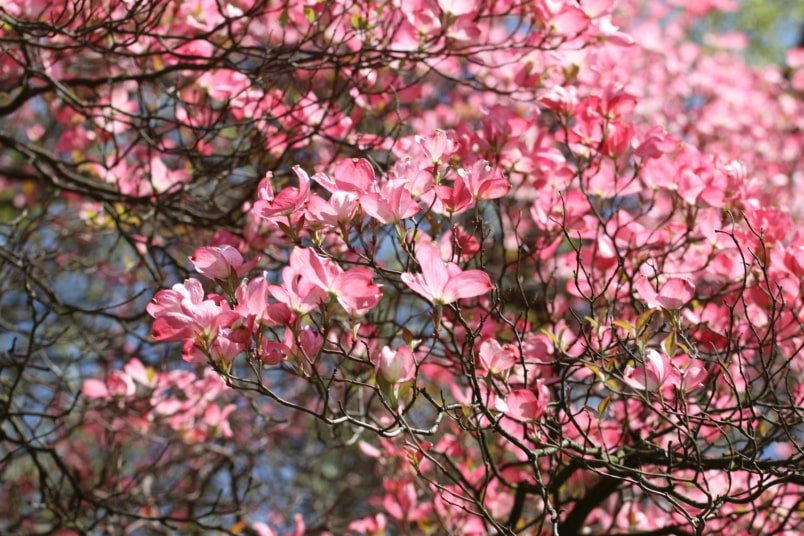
[
  {"x": 597, "y": 372},
  {"x": 359, "y": 23},
  {"x": 643, "y": 319},
  {"x": 407, "y": 336},
  {"x": 669, "y": 344},
  {"x": 629, "y": 328},
  {"x": 601, "y": 408},
  {"x": 550, "y": 335}
]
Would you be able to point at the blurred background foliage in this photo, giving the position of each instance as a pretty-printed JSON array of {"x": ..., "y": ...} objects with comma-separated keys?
[{"x": 772, "y": 27}]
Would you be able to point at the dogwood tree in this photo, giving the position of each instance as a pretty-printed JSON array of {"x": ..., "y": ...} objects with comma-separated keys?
[{"x": 369, "y": 267}]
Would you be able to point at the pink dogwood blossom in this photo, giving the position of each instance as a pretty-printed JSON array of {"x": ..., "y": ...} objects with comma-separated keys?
[
  {"x": 494, "y": 358},
  {"x": 484, "y": 181},
  {"x": 391, "y": 203},
  {"x": 673, "y": 295},
  {"x": 183, "y": 312},
  {"x": 524, "y": 404},
  {"x": 651, "y": 376},
  {"x": 443, "y": 283},
  {"x": 396, "y": 366},
  {"x": 353, "y": 288},
  {"x": 221, "y": 262},
  {"x": 287, "y": 203}
]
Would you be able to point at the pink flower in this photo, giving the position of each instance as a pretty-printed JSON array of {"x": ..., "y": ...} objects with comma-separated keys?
[
  {"x": 355, "y": 175},
  {"x": 262, "y": 529},
  {"x": 182, "y": 313},
  {"x": 140, "y": 373},
  {"x": 457, "y": 242},
  {"x": 353, "y": 289},
  {"x": 652, "y": 376},
  {"x": 288, "y": 203},
  {"x": 221, "y": 262},
  {"x": 396, "y": 366},
  {"x": 392, "y": 203},
  {"x": 442, "y": 283},
  {"x": 691, "y": 375},
  {"x": 493, "y": 358},
  {"x": 525, "y": 405},
  {"x": 369, "y": 525},
  {"x": 356, "y": 292},
  {"x": 560, "y": 99},
  {"x": 338, "y": 210},
  {"x": 418, "y": 180},
  {"x": 438, "y": 146},
  {"x": 484, "y": 182},
  {"x": 693, "y": 378},
  {"x": 298, "y": 294},
  {"x": 224, "y": 350},
  {"x": 451, "y": 200},
  {"x": 570, "y": 22},
  {"x": 253, "y": 306},
  {"x": 215, "y": 419},
  {"x": 167, "y": 301},
  {"x": 272, "y": 352},
  {"x": 794, "y": 259},
  {"x": 458, "y": 7},
  {"x": 672, "y": 296},
  {"x": 402, "y": 502},
  {"x": 118, "y": 384},
  {"x": 306, "y": 345}
]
